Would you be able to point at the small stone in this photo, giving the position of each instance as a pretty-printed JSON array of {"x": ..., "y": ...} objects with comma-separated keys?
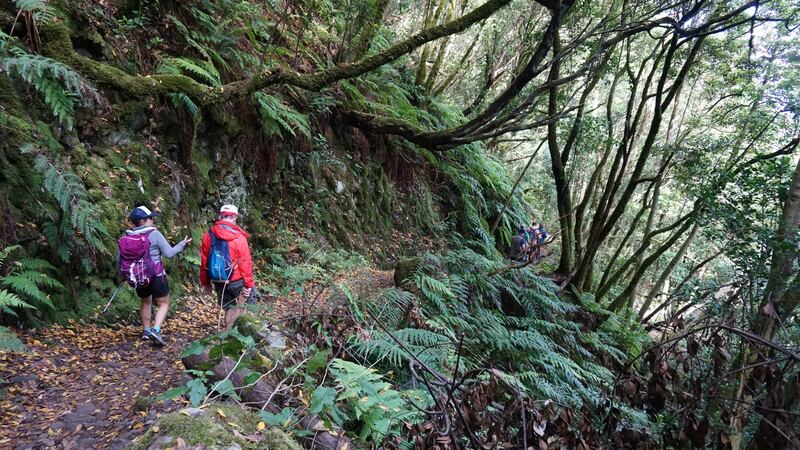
[
  {"x": 192, "y": 412},
  {"x": 276, "y": 340},
  {"x": 87, "y": 408}
]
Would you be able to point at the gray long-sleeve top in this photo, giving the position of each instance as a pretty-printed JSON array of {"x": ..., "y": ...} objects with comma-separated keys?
[{"x": 158, "y": 244}]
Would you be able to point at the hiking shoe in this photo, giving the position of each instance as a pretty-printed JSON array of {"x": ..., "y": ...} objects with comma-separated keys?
[
  {"x": 145, "y": 335},
  {"x": 155, "y": 336}
]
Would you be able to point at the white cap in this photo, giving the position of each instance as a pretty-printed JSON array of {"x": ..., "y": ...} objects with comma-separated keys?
[{"x": 229, "y": 210}]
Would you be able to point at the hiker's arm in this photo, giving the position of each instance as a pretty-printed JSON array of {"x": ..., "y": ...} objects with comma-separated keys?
[
  {"x": 246, "y": 265},
  {"x": 163, "y": 245},
  {"x": 204, "y": 248}
]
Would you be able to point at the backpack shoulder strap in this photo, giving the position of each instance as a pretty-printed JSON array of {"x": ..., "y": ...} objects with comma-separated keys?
[{"x": 230, "y": 228}]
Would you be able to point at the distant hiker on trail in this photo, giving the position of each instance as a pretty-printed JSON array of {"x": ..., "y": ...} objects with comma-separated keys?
[
  {"x": 543, "y": 234},
  {"x": 226, "y": 263},
  {"x": 533, "y": 233},
  {"x": 139, "y": 263},
  {"x": 518, "y": 245},
  {"x": 540, "y": 236}
]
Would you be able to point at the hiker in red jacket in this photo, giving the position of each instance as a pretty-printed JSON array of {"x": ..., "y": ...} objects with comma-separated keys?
[{"x": 226, "y": 263}]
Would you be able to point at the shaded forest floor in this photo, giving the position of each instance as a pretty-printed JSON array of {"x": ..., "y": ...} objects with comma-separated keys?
[{"x": 89, "y": 386}]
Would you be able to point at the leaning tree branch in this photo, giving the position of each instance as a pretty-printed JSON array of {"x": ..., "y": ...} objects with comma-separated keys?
[{"x": 56, "y": 43}]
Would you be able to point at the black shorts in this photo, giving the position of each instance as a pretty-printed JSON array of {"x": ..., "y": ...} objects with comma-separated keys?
[
  {"x": 158, "y": 287},
  {"x": 228, "y": 293}
]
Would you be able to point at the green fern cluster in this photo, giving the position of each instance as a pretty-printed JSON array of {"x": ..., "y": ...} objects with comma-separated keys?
[
  {"x": 511, "y": 320},
  {"x": 477, "y": 182},
  {"x": 382, "y": 410},
  {"x": 215, "y": 30},
  {"x": 79, "y": 215},
  {"x": 60, "y": 86},
  {"x": 277, "y": 117},
  {"x": 203, "y": 71},
  {"x": 25, "y": 283},
  {"x": 39, "y": 9}
]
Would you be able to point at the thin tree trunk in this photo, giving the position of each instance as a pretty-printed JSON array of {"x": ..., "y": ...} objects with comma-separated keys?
[
  {"x": 430, "y": 20},
  {"x": 514, "y": 189},
  {"x": 623, "y": 299},
  {"x": 648, "y": 228},
  {"x": 437, "y": 63},
  {"x": 781, "y": 297},
  {"x": 449, "y": 79},
  {"x": 563, "y": 200},
  {"x": 656, "y": 290}
]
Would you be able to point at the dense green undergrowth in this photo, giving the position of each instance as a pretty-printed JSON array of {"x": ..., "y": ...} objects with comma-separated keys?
[{"x": 371, "y": 362}]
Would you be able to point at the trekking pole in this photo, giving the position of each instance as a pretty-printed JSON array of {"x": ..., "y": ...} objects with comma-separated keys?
[{"x": 112, "y": 296}]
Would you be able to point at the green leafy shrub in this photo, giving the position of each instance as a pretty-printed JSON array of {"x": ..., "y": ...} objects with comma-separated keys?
[
  {"x": 24, "y": 288},
  {"x": 379, "y": 409},
  {"x": 277, "y": 117}
]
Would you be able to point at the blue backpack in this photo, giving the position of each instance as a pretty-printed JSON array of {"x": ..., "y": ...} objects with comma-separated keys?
[{"x": 220, "y": 266}]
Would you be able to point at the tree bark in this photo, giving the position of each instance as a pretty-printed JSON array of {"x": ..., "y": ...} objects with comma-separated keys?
[
  {"x": 563, "y": 196},
  {"x": 780, "y": 299}
]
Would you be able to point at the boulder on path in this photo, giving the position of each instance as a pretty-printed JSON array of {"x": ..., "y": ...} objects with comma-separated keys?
[{"x": 219, "y": 425}]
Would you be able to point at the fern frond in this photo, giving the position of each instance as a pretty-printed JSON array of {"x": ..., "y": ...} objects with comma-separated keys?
[
  {"x": 9, "y": 300},
  {"x": 277, "y": 117},
  {"x": 58, "y": 83},
  {"x": 203, "y": 70},
  {"x": 70, "y": 194},
  {"x": 41, "y": 11},
  {"x": 27, "y": 287},
  {"x": 4, "y": 253}
]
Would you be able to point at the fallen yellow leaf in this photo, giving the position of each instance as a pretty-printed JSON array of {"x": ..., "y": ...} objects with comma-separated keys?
[
  {"x": 155, "y": 429},
  {"x": 261, "y": 426},
  {"x": 221, "y": 413}
]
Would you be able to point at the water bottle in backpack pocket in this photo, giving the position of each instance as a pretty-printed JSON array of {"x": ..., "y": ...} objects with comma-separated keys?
[
  {"x": 135, "y": 264},
  {"x": 220, "y": 267}
]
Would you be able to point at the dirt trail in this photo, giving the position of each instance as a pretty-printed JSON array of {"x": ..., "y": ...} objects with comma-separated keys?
[{"x": 86, "y": 386}]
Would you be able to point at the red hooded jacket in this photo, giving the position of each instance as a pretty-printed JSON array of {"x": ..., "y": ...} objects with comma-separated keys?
[{"x": 238, "y": 247}]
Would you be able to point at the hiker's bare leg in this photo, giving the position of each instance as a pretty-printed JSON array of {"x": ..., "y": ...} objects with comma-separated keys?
[
  {"x": 232, "y": 314},
  {"x": 144, "y": 310},
  {"x": 161, "y": 312}
]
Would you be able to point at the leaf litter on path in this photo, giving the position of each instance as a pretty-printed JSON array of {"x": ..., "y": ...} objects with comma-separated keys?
[{"x": 88, "y": 386}]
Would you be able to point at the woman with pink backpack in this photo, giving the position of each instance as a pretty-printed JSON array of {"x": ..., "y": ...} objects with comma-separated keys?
[{"x": 140, "y": 264}]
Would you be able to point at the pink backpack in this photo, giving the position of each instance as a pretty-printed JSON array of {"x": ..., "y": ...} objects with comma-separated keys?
[{"x": 135, "y": 264}]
